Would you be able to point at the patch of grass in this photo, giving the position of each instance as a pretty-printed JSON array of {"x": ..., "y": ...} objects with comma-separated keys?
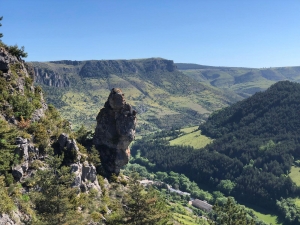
[
  {"x": 188, "y": 220},
  {"x": 267, "y": 218},
  {"x": 188, "y": 130},
  {"x": 295, "y": 175},
  {"x": 194, "y": 139},
  {"x": 297, "y": 202}
]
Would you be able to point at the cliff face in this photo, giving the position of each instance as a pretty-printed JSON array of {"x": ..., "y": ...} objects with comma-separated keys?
[
  {"x": 50, "y": 78},
  {"x": 55, "y": 73},
  {"x": 115, "y": 130},
  {"x": 102, "y": 68}
]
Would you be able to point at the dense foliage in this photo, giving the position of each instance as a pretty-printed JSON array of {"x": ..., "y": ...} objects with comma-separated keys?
[{"x": 256, "y": 142}]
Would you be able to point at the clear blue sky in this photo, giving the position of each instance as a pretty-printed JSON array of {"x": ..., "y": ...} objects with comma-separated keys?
[{"x": 252, "y": 33}]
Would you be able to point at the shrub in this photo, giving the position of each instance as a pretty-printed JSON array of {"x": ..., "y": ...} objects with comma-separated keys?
[{"x": 16, "y": 51}]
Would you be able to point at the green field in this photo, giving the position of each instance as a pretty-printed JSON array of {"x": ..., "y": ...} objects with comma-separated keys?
[
  {"x": 267, "y": 218},
  {"x": 192, "y": 137},
  {"x": 188, "y": 220},
  {"x": 295, "y": 175}
]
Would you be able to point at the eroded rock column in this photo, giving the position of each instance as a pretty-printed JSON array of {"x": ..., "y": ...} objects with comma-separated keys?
[{"x": 115, "y": 130}]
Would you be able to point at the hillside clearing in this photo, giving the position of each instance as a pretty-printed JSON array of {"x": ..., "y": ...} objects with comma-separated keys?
[
  {"x": 191, "y": 138},
  {"x": 295, "y": 175}
]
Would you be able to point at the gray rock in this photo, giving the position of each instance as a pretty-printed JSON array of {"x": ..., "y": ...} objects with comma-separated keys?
[
  {"x": 17, "y": 172},
  {"x": 24, "y": 166},
  {"x": 34, "y": 152},
  {"x": 62, "y": 140},
  {"x": 5, "y": 220},
  {"x": 21, "y": 141},
  {"x": 39, "y": 113},
  {"x": 85, "y": 177},
  {"x": 89, "y": 173},
  {"x": 71, "y": 144}
]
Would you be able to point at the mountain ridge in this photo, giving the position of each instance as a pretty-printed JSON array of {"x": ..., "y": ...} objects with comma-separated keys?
[{"x": 164, "y": 96}]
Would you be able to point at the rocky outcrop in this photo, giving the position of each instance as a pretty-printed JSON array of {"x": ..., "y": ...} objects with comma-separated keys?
[
  {"x": 85, "y": 173},
  {"x": 27, "y": 153},
  {"x": 6, "y": 220},
  {"x": 114, "y": 132},
  {"x": 18, "y": 76},
  {"x": 69, "y": 143},
  {"x": 85, "y": 176},
  {"x": 50, "y": 78}
]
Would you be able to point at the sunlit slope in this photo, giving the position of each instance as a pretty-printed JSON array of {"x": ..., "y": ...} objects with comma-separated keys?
[
  {"x": 191, "y": 137},
  {"x": 243, "y": 81},
  {"x": 295, "y": 175},
  {"x": 163, "y": 96}
]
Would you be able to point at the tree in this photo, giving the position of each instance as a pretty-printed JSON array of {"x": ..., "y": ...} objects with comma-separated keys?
[
  {"x": 141, "y": 207},
  {"x": 230, "y": 214},
  {"x": 16, "y": 51},
  {"x": 54, "y": 198},
  {"x": 1, "y": 35},
  {"x": 6, "y": 203},
  {"x": 7, "y": 146},
  {"x": 226, "y": 186}
]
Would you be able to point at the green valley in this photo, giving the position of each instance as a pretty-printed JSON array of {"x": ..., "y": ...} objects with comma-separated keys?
[{"x": 163, "y": 96}]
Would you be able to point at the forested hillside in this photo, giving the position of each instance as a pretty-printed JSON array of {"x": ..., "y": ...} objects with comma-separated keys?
[{"x": 256, "y": 141}]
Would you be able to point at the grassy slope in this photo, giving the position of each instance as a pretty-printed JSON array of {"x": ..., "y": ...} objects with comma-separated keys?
[
  {"x": 192, "y": 137},
  {"x": 267, "y": 218},
  {"x": 175, "y": 101},
  {"x": 295, "y": 175},
  {"x": 244, "y": 81},
  {"x": 188, "y": 220}
]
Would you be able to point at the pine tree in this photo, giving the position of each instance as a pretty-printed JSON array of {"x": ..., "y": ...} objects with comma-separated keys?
[
  {"x": 1, "y": 35},
  {"x": 55, "y": 200},
  {"x": 7, "y": 139},
  {"x": 230, "y": 214},
  {"x": 144, "y": 208}
]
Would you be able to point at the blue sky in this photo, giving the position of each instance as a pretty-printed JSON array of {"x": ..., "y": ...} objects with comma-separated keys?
[{"x": 264, "y": 33}]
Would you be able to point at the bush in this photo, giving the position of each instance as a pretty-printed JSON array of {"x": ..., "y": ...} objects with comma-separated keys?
[{"x": 16, "y": 51}]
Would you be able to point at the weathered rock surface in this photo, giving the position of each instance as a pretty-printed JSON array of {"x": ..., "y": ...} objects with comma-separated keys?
[
  {"x": 10, "y": 67},
  {"x": 5, "y": 220},
  {"x": 27, "y": 153},
  {"x": 85, "y": 176},
  {"x": 114, "y": 132},
  {"x": 65, "y": 141}
]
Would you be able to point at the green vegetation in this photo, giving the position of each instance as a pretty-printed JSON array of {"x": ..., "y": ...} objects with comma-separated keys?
[
  {"x": 142, "y": 206},
  {"x": 163, "y": 98},
  {"x": 242, "y": 81},
  {"x": 295, "y": 175},
  {"x": 188, "y": 219},
  {"x": 253, "y": 150},
  {"x": 54, "y": 197},
  {"x": 289, "y": 210},
  {"x": 8, "y": 158},
  {"x": 231, "y": 214},
  {"x": 267, "y": 218},
  {"x": 191, "y": 137}
]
